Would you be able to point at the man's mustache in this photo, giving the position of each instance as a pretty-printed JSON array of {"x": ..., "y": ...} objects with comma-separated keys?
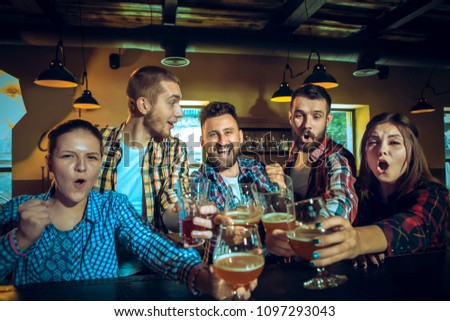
[{"x": 214, "y": 148}]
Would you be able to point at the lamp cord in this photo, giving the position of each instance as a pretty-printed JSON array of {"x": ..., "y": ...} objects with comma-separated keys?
[
  {"x": 313, "y": 50},
  {"x": 428, "y": 85},
  {"x": 82, "y": 47},
  {"x": 60, "y": 49}
]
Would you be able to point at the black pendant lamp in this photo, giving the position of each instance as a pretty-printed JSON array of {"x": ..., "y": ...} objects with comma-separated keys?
[{"x": 57, "y": 75}]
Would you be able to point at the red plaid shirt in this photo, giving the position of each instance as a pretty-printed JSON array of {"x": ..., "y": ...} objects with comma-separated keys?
[
  {"x": 413, "y": 223},
  {"x": 332, "y": 176}
]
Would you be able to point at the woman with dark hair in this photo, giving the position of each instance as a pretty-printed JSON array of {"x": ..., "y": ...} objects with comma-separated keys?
[
  {"x": 402, "y": 207},
  {"x": 70, "y": 233}
]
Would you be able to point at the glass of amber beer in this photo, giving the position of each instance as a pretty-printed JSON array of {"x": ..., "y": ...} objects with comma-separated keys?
[
  {"x": 241, "y": 205},
  {"x": 301, "y": 235},
  {"x": 276, "y": 204},
  {"x": 238, "y": 257}
]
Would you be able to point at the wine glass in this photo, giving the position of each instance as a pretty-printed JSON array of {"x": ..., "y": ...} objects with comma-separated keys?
[
  {"x": 238, "y": 257},
  {"x": 192, "y": 193},
  {"x": 300, "y": 237},
  {"x": 241, "y": 205},
  {"x": 276, "y": 205}
]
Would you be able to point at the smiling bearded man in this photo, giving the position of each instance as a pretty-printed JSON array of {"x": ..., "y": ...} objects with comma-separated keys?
[{"x": 221, "y": 138}]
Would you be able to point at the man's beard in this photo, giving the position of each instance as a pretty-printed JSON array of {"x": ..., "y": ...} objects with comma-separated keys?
[
  {"x": 156, "y": 127},
  {"x": 309, "y": 146},
  {"x": 218, "y": 162}
]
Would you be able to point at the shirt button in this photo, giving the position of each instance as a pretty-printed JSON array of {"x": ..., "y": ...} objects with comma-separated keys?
[
  {"x": 77, "y": 230},
  {"x": 75, "y": 257}
]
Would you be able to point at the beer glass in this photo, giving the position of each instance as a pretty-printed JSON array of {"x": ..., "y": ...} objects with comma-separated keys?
[
  {"x": 301, "y": 235},
  {"x": 241, "y": 205},
  {"x": 238, "y": 257},
  {"x": 276, "y": 205},
  {"x": 192, "y": 193}
]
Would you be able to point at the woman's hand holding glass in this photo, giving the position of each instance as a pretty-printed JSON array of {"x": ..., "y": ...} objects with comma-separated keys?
[
  {"x": 346, "y": 243},
  {"x": 306, "y": 234}
]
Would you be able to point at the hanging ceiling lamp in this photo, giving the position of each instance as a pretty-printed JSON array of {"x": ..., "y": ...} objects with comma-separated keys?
[
  {"x": 57, "y": 75},
  {"x": 422, "y": 106},
  {"x": 320, "y": 76},
  {"x": 85, "y": 101},
  {"x": 284, "y": 93}
]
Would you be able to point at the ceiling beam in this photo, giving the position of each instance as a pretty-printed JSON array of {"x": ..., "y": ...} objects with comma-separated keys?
[
  {"x": 169, "y": 12},
  {"x": 398, "y": 17},
  {"x": 207, "y": 40},
  {"x": 303, "y": 13},
  {"x": 293, "y": 14},
  {"x": 282, "y": 14}
]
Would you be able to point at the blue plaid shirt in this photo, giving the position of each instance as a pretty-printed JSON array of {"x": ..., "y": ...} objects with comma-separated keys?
[
  {"x": 89, "y": 250},
  {"x": 250, "y": 171}
]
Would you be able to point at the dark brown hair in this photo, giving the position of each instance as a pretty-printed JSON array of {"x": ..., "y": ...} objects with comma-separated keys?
[
  {"x": 70, "y": 126},
  {"x": 312, "y": 92},
  {"x": 417, "y": 170},
  {"x": 215, "y": 109}
]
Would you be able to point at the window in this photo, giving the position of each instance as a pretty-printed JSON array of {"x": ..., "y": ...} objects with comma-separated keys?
[
  {"x": 348, "y": 126},
  {"x": 188, "y": 129},
  {"x": 5, "y": 168},
  {"x": 341, "y": 128},
  {"x": 447, "y": 145}
]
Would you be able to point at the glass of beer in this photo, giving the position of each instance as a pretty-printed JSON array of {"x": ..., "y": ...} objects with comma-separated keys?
[
  {"x": 192, "y": 193},
  {"x": 300, "y": 236},
  {"x": 241, "y": 205},
  {"x": 238, "y": 257},
  {"x": 276, "y": 204}
]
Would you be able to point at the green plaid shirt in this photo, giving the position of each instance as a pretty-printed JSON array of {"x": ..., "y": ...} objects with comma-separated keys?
[{"x": 164, "y": 163}]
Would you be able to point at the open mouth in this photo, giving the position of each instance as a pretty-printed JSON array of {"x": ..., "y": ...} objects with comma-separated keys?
[
  {"x": 307, "y": 136},
  {"x": 382, "y": 166},
  {"x": 80, "y": 182}
]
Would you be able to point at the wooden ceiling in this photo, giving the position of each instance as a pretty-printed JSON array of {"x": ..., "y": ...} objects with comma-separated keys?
[{"x": 397, "y": 32}]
